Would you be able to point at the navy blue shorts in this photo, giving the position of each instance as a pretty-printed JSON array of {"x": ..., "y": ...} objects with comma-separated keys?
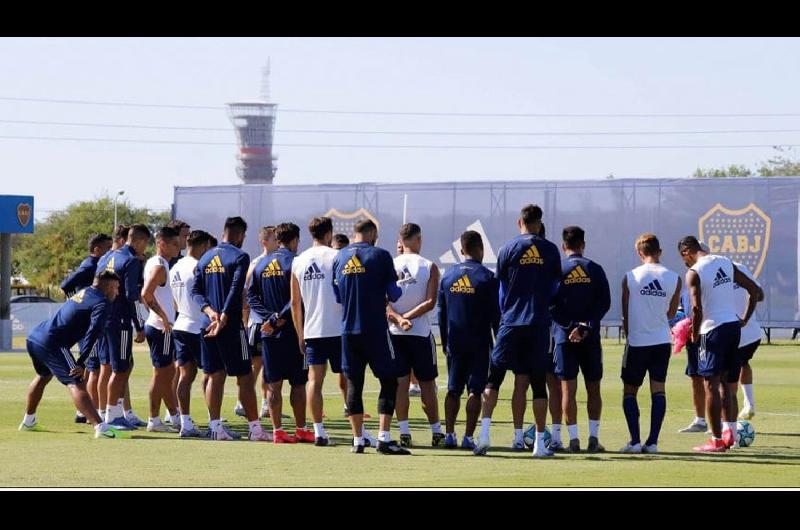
[
  {"x": 323, "y": 350},
  {"x": 93, "y": 361},
  {"x": 470, "y": 368},
  {"x": 162, "y": 348},
  {"x": 585, "y": 356},
  {"x": 117, "y": 348},
  {"x": 373, "y": 349},
  {"x": 227, "y": 351},
  {"x": 52, "y": 361},
  {"x": 747, "y": 351},
  {"x": 415, "y": 353},
  {"x": 283, "y": 360},
  {"x": 691, "y": 359},
  {"x": 187, "y": 347},
  {"x": 522, "y": 349},
  {"x": 719, "y": 351},
  {"x": 637, "y": 360}
]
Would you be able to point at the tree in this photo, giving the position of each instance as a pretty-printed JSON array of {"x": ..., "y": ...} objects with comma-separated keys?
[
  {"x": 779, "y": 166},
  {"x": 60, "y": 242}
]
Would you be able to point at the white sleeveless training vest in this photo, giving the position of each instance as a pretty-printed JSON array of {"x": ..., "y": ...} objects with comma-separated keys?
[
  {"x": 163, "y": 293},
  {"x": 181, "y": 280},
  {"x": 651, "y": 287},
  {"x": 752, "y": 331},
  {"x": 716, "y": 291},
  {"x": 413, "y": 273}
]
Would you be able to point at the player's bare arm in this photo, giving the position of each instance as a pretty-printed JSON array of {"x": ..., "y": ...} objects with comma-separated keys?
[
  {"x": 755, "y": 292},
  {"x": 625, "y": 297},
  {"x": 675, "y": 301},
  {"x": 693, "y": 284},
  {"x": 158, "y": 277},
  {"x": 430, "y": 296},
  {"x": 297, "y": 311}
]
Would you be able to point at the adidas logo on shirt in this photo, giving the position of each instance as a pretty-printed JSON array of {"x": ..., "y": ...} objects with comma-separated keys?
[
  {"x": 273, "y": 269},
  {"x": 405, "y": 277},
  {"x": 78, "y": 298},
  {"x": 354, "y": 266},
  {"x": 653, "y": 289},
  {"x": 215, "y": 265},
  {"x": 577, "y": 275},
  {"x": 313, "y": 273},
  {"x": 721, "y": 278},
  {"x": 110, "y": 265},
  {"x": 463, "y": 285},
  {"x": 531, "y": 257}
]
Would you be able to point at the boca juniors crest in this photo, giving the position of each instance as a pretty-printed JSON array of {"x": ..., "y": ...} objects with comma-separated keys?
[
  {"x": 741, "y": 235},
  {"x": 344, "y": 223}
]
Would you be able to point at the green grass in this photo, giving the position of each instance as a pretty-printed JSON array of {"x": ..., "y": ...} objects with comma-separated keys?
[{"x": 67, "y": 455}]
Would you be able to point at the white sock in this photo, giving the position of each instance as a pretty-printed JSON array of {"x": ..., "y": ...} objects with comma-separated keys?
[
  {"x": 384, "y": 436},
  {"x": 403, "y": 427},
  {"x": 176, "y": 419},
  {"x": 436, "y": 428},
  {"x": 573, "y": 431},
  {"x": 319, "y": 430},
  {"x": 186, "y": 422},
  {"x": 700, "y": 421},
  {"x": 358, "y": 440},
  {"x": 254, "y": 426},
  {"x": 113, "y": 412},
  {"x": 29, "y": 420},
  {"x": 729, "y": 425},
  {"x": 239, "y": 405},
  {"x": 556, "y": 434},
  {"x": 79, "y": 414},
  {"x": 155, "y": 420},
  {"x": 276, "y": 429},
  {"x": 517, "y": 435},
  {"x": 215, "y": 425},
  {"x": 748, "y": 396},
  {"x": 539, "y": 441},
  {"x": 364, "y": 432},
  {"x": 101, "y": 413},
  {"x": 594, "y": 428},
  {"x": 264, "y": 403},
  {"x": 486, "y": 424}
]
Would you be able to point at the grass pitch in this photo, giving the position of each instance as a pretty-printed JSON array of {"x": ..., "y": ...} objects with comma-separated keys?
[{"x": 67, "y": 455}]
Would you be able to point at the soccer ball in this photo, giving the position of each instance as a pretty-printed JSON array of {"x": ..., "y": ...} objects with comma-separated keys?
[
  {"x": 529, "y": 437},
  {"x": 745, "y": 433}
]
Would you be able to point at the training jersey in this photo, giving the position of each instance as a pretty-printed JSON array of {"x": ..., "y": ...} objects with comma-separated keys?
[
  {"x": 364, "y": 277},
  {"x": 81, "y": 277},
  {"x": 751, "y": 332},
  {"x": 81, "y": 319},
  {"x": 528, "y": 268},
  {"x": 716, "y": 291},
  {"x": 162, "y": 294},
  {"x": 583, "y": 295},
  {"x": 253, "y": 317},
  {"x": 413, "y": 272},
  {"x": 468, "y": 307},
  {"x": 128, "y": 267},
  {"x": 219, "y": 281},
  {"x": 651, "y": 287},
  {"x": 322, "y": 313},
  {"x": 181, "y": 280},
  {"x": 269, "y": 293}
]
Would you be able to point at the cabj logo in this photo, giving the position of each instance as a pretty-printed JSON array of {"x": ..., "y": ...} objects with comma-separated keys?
[
  {"x": 345, "y": 222},
  {"x": 23, "y": 213},
  {"x": 531, "y": 257},
  {"x": 354, "y": 266},
  {"x": 215, "y": 265},
  {"x": 741, "y": 235},
  {"x": 463, "y": 285}
]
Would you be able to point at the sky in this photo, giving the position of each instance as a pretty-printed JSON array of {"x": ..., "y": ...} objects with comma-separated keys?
[{"x": 541, "y": 76}]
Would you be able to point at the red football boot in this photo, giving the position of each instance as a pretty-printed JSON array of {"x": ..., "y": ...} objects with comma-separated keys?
[
  {"x": 304, "y": 436},
  {"x": 729, "y": 438},
  {"x": 712, "y": 446},
  {"x": 280, "y": 437}
]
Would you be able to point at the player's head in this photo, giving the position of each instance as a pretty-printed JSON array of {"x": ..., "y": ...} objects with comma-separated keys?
[
  {"x": 120, "y": 236},
  {"x": 139, "y": 238},
  {"x": 573, "y": 240},
  {"x": 183, "y": 229},
  {"x": 399, "y": 246},
  {"x": 168, "y": 244},
  {"x": 648, "y": 248},
  {"x": 366, "y": 232},
  {"x": 472, "y": 245},
  {"x": 212, "y": 241},
  {"x": 198, "y": 243},
  {"x": 530, "y": 219},
  {"x": 542, "y": 232},
  {"x": 321, "y": 230},
  {"x": 288, "y": 235},
  {"x": 411, "y": 237},
  {"x": 340, "y": 241},
  {"x": 99, "y": 244},
  {"x": 690, "y": 250},
  {"x": 108, "y": 284},
  {"x": 234, "y": 231},
  {"x": 266, "y": 236}
]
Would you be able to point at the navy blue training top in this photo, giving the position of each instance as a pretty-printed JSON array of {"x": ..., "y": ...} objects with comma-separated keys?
[
  {"x": 363, "y": 277},
  {"x": 81, "y": 277},
  {"x": 528, "y": 268},
  {"x": 468, "y": 307},
  {"x": 583, "y": 296},
  {"x": 269, "y": 294},
  {"x": 128, "y": 267},
  {"x": 219, "y": 280},
  {"x": 82, "y": 319}
]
